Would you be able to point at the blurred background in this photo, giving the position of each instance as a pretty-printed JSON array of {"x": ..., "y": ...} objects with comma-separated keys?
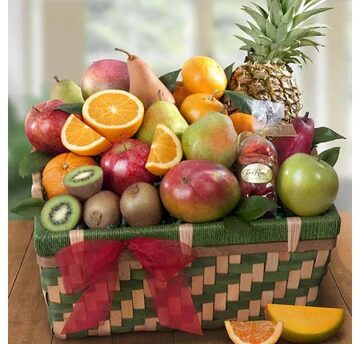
[{"x": 62, "y": 37}]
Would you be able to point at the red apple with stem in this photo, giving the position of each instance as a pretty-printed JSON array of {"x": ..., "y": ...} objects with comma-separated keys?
[
  {"x": 124, "y": 164},
  {"x": 43, "y": 126}
]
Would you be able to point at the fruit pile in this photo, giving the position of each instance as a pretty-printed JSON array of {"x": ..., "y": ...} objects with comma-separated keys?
[{"x": 129, "y": 148}]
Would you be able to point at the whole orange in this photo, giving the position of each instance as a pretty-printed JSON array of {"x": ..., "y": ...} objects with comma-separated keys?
[
  {"x": 198, "y": 104},
  {"x": 202, "y": 74},
  {"x": 242, "y": 121},
  {"x": 56, "y": 169},
  {"x": 180, "y": 93}
]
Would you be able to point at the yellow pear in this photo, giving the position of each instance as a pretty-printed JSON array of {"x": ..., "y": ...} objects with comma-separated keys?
[{"x": 144, "y": 83}]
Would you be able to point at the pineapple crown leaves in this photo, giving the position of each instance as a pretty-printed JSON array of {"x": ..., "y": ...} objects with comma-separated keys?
[{"x": 279, "y": 32}]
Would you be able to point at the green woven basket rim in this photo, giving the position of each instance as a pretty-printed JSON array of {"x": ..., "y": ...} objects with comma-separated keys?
[{"x": 326, "y": 226}]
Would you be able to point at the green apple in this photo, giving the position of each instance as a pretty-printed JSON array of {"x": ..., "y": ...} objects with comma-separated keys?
[{"x": 307, "y": 185}]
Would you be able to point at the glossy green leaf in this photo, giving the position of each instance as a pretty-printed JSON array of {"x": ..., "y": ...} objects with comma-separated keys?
[
  {"x": 28, "y": 207},
  {"x": 330, "y": 155},
  {"x": 234, "y": 223},
  {"x": 71, "y": 108},
  {"x": 228, "y": 71},
  {"x": 33, "y": 162},
  {"x": 169, "y": 79},
  {"x": 323, "y": 134},
  {"x": 254, "y": 207},
  {"x": 241, "y": 101}
]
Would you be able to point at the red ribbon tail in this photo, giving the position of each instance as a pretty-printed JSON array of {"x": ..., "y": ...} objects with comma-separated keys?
[
  {"x": 90, "y": 267},
  {"x": 174, "y": 305}
]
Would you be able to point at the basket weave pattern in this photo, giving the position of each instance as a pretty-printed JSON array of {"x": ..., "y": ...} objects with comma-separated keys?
[
  {"x": 235, "y": 275},
  {"x": 225, "y": 286}
]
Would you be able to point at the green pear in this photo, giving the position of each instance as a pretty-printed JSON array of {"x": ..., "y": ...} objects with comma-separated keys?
[
  {"x": 161, "y": 112},
  {"x": 67, "y": 91},
  {"x": 212, "y": 137}
]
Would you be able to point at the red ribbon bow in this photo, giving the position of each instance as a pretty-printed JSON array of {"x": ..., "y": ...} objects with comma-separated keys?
[{"x": 91, "y": 267}]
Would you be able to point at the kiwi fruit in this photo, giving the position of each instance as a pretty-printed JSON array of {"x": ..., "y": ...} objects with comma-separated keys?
[
  {"x": 102, "y": 210},
  {"x": 84, "y": 181},
  {"x": 61, "y": 213},
  {"x": 140, "y": 205}
]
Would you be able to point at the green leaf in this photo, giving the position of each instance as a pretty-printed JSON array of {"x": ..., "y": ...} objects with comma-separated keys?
[
  {"x": 169, "y": 79},
  {"x": 310, "y": 4},
  {"x": 248, "y": 42},
  {"x": 259, "y": 19},
  {"x": 276, "y": 13},
  {"x": 255, "y": 29},
  {"x": 254, "y": 207},
  {"x": 330, "y": 156},
  {"x": 33, "y": 162},
  {"x": 288, "y": 17},
  {"x": 71, "y": 108},
  {"x": 247, "y": 30},
  {"x": 271, "y": 31},
  {"x": 302, "y": 17},
  {"x": 28, "y": 207},
  {"x": 242, "y": 101},
  {"x": 233, "y": 223},
  {"x": 228, "y": 71},
  {"x": 261, "y": 10},
  {"x": 323, "y": 134}
]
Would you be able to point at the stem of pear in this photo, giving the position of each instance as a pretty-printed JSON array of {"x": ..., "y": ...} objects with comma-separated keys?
[
  {"x": 130, "y": 57},
  {"x": 56, "y": 78},
  {"x": 36, "y": 109},
  {"x": 306, "y": 115},
  {"x": 160, "y": 95}
]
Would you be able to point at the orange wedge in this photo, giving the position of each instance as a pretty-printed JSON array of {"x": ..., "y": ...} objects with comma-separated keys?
[
  {"x": 254, "y": 332},
  {"x": 115, "y": 114},
  {"x": 79, "y": 138},
  {"x": 165, "y": 151}
]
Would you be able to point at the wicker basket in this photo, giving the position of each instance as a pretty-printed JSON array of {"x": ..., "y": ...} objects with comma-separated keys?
[{"x": 235, "y": 275}]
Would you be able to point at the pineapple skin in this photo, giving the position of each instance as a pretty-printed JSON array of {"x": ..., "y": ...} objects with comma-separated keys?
[{"x": 268, "y": 81}]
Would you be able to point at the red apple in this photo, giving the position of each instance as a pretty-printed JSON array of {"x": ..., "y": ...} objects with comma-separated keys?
[
  {"x": 124, "y": 164},
  {"x": 302, "y": 143},
  {"x": 43, "y": 126},
  {"x": 199, "y": 191}
]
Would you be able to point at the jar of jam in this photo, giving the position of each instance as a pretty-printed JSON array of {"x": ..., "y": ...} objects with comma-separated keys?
[{"x": 257, "y": 167}]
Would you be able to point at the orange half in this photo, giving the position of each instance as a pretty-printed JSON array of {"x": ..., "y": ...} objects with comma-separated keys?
[
  {"x": 254, "y": 332},
  {"x": 115, "y": 114},
  {"x": 165, "y": 151},
  {"x": 79, "y": 138}
]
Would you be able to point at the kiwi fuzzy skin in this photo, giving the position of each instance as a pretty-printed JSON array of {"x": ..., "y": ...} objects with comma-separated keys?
[
  {"x": 140, "y": 205},
  {"x": 102, "y": 210}
]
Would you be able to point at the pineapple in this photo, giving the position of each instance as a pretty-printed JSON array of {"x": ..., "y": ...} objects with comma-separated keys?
[{"x": 275, "y": 40}]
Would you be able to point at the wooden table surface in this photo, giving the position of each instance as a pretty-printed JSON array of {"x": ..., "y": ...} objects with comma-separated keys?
[{"x": 27, "y": 312}]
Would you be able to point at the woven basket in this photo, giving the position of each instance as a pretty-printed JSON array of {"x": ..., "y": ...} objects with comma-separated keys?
[{"x": 235, "y": 275}]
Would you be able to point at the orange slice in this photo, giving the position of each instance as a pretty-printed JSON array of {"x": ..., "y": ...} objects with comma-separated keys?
[
  {"x": 254, "y": 332},
  {"x": 165, "y": 151},
  {"x": 115, "y": 114},
  {"x": 79, "y": 138}
]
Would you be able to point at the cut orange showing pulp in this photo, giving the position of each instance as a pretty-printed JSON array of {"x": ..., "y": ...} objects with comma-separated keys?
[
  {"x": 254, "y": 332},
  {"x": 115, "y": 114},
  {"x": 79, "y": 138},
  {"x": 165, "y": 151}
]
